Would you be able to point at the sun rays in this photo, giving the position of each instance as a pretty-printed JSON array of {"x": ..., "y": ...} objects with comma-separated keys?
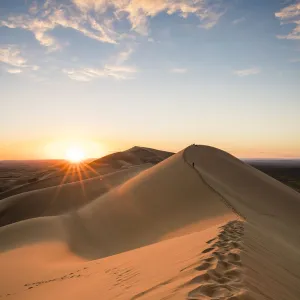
[{"x": 75, "y": 154}]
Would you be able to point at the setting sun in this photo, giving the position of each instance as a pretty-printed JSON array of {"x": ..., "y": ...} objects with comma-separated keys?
[{"x": 75, "y": 154}]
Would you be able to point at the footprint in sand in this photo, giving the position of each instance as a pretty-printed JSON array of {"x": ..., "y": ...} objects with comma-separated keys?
[
  {"x": 210, "y": 241},
  {"x": 210, "y": 259},
  {"x": 200, "y": 279},
  {"x": 208, "y": 250},
  {"x": 203, "y": 266},
  {"x": 223, "y": 276},
  {"x": 211, "y": 290}
]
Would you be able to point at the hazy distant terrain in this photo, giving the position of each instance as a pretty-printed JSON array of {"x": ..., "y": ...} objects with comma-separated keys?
[
  {"x": 19, "y": 172},
  {"x": 286, "y": 171}
]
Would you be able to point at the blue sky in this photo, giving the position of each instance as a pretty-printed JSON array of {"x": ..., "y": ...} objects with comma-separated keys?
[{"x": 160, "y": 73}]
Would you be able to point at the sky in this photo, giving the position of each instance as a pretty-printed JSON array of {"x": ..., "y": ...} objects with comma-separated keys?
[{"x": 105, "y": 75}]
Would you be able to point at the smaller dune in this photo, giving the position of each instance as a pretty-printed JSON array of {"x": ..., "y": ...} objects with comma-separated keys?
[{"x": 63, "y": 198}]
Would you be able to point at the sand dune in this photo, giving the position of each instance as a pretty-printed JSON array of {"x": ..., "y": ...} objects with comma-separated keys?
[
  {"x": 133, "y": 156},
  {"x": 271, "y": 209},
  {"x": 64, "y": 173},
  {"x": 148, "y": 208},
  {"x": 217, "y": 230},
  {"x": 60, "y": 199}
]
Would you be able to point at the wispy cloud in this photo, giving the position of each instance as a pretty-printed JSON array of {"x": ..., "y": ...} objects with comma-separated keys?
[
  {"x": 123, "y": 56},
  {"x": 179, "y": 70},
  {"x": 11, "y": 55},
  {"x": 38, "y": 27},
  {"x": 114, "y": 68},
  {"x": 48, "y": 17},
  {"x": 139, "y": 11},
  {"x": 89, "y": 74},
  {"x": 14, "y": 71},
  {"x": 238, "y": 21},
  {"x": 91, "y": 17},
  {"x": 290, "y": 15},
  {"x": 247, "y": 72},
  {"x": 103, "y": 21}
]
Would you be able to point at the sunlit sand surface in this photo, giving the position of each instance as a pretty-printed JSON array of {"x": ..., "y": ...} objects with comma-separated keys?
[{"x": 199, "y": 225}]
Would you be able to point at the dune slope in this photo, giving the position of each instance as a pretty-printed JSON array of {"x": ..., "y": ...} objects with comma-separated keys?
[
  {"x": 272, "y": 231},
  {"x": 63, "y": 198}
]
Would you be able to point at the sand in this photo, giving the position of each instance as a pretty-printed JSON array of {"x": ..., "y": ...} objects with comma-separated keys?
[
  {"x": 218, "y": 230},
  {"x": 55, "y": 200}
]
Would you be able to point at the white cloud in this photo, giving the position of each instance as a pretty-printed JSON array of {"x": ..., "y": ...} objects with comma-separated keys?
[
  {"x": 97, "y": 5},
  {"x": 179, "y": 70},
  {"x": 100, "y": 20},
  {"x": 139, "y": 11},
  {"x": 11, "y": 55},
  {"x": 52, "y": 15},
  {"x": 91, "y": 19},
  {"x": 14, "y": 71},
  {"x": 88, "y": 74},
  {"x": 123, "y": 55},
  {"x": 238, "y": 21},
  {"x": 289, "y": 12},
  {"x": 290, "y": 15},
  {"x": 79, "y": 74},
  {"x": 247, "y": 72},
  {"x": 38, "y": 27}
]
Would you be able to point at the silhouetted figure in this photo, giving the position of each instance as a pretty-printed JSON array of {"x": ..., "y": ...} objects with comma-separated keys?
[{"x": 193, "y": 165}]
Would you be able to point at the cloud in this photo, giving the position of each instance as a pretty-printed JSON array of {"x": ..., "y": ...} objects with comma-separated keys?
[
  {"x": 89, "y": 74},
  {"x": 115, "y": 69},
  {"x": 33, "y": 9},
  {"x": 11, "y": 55},
  {"x": 247, "y": 72},
  {"x": 290, "y": 15},
  {"x": 179, "y": 70},
  {"x": 139, "y": 11},
  {"x": 238, "y": 21},
  {"x": 123, "y": 56},
  {"x": 14, "y": 71},
  {"x": 289, "y": 12},
  {"x": 52, "y": 15},
  {"x": 96, "y": 19},
  {"x": 38, "y": 27}
]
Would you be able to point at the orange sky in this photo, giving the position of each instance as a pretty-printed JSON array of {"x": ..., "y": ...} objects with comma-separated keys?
[{"x": 93, "y": 148}]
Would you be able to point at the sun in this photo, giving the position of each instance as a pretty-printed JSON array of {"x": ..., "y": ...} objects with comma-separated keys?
[{"x": 75, "y": 154}]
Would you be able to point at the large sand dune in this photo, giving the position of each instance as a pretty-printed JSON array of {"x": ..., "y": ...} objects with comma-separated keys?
[{"x": 210, "y": 227}]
